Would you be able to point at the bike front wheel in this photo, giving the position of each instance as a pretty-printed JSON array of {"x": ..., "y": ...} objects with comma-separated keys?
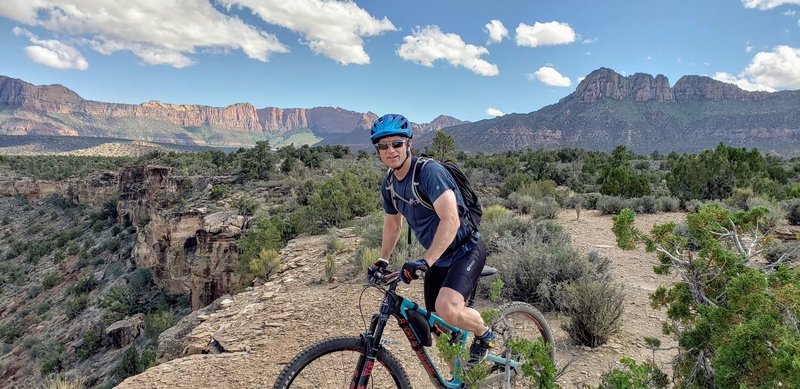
[
  {"x": 331, "y": 362},
  {"x": 517, "y": 320}
]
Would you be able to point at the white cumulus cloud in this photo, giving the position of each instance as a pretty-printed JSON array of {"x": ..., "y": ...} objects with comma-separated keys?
[
  {"x": 494, "y": 112},
  {"x": 767, "y": 4},
  {"x": 158, "y": 32},
  {"x": 429, "y": 44},
  {"x": 542, "y": 34},
  {"x": 497, "y": 31},
  {"x": 334, "y": 29},
  {"x": 768, "y": 71},
  {"x": 550, "y": 76},
  {"x": 52, "y": 53}
]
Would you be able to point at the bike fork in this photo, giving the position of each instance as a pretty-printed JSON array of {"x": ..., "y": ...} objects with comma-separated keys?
[{"x": 366, "y": 362}]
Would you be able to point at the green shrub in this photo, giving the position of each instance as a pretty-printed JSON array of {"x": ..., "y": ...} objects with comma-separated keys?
[
  {"x": 522, "y": 203},
  {"x": 84, "y": 285},
  {"x": 610, "y": 205},
  {"x": 51, "y": 360},
  {"x": 267, "y": 263},
  {"x": 50, "y": 280},
  {"x": 219, "y": 191},
  {"x": 157, "y": 322},
  {"x": 792, "y": 208},
  {"x": 62, "y": 382},
  {"x": 245, "y": 204},
  {"x": 10, "y": 332},
  {"x": 332, "y": 243},
  {"x": 545, "y": 208},
  {"x": 330, "y": 266},
  {"x": 494, "y": 213},
  {"x": 644, "y": 204},
  {"x": 668, "y": 204},
  {"x": 92, "y": 341},
  {"x": 594, "y": 309},
  {"x": 365, "y": 257},
  {"x": 783, "y": 251},
  {"x": 76, "y": 305},
  {"x": 539, "y": 189},
  {"x": 533, "y": 259},
  {"x": 739, "y": 197},
  {"x": 269, "y": 233},
  {"x": 631, "y": 375}
]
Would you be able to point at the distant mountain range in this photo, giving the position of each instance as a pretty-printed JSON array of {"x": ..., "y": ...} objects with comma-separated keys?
[
  {"x": 607, "y": 109},
  {"x": 645, "y": 114},
  {"x": 27, "y": 109}
]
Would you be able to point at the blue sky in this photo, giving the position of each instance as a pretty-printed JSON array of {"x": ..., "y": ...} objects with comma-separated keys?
[{"x": 469, "y": 59}]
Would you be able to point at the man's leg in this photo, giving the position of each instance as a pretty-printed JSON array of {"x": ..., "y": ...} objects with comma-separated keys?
[{"x": 451, "y": 307}]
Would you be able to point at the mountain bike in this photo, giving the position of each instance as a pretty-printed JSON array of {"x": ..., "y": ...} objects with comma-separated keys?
[{"x": 365, "y": 362}]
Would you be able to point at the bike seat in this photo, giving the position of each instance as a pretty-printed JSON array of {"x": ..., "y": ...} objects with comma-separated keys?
[{"x": 487, "y": 271}]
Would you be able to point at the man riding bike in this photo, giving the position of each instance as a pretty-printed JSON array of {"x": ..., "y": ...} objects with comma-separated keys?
[{"x": 454, "y": 253}]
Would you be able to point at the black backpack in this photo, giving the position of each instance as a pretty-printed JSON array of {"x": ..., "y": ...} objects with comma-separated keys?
[{"x": 474, "y": 211}]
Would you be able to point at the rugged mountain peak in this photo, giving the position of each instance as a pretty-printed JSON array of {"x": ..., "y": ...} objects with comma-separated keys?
[
  {"x": 20, "y": 94},
  {"x": 690, "y": 88},
  {"x": 441, "y": 121},
  {"x": 606, "y": 83}
]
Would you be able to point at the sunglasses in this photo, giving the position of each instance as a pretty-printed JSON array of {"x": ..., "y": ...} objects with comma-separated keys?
[{"x": 396, "y": 144}]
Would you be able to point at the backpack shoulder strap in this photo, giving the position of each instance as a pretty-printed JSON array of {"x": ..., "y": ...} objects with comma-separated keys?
[
  {"x": 416, "y": 175},
  {"x": 390, "y": 187}
]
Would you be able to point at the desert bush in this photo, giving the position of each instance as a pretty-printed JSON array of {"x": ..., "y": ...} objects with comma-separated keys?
[
  {"x": 76, "y": 305},
  {"x": 488, "y": 201},
  {"x": 62, "y": 382},
  {"x": 50, "y": 280},
  {"x": 644, "y": 204},
  {"x": 157, "y": 322},
  {"x": 539, "y": 189},
  {"x": 494, "y": 212},
  {"x": 51, "y": 360},
  {"x": 265, "y": 264},
  {"x": 245, "y": 204},
  {"x": 632, "y": 375},
  {"x": 668, "y": 204},
  {"x": 92, "y": 341},
  {"x": 10, "y": 332},
  {"x": 270, "y": 233},
  {"x": 594, "y": 309},
  {"x": 792, "y": 208},
  {"x": 513, "y": 183},
  {"x": 782, "y": 251},
  {"x": 545, "y": 208},
  {"x": 533, "y": 258},
  {"x": 739, "y": 197},
  {"x": 332, "y": 243},
  {"x": 219, "y": 191},
  {"x": 330, "y": 266},
  {"x": 365, "y": 257},
  {"x": 85, "y": 285},
  {"x": 522, "y": 203},
  {"x": 610, "y": 205}
]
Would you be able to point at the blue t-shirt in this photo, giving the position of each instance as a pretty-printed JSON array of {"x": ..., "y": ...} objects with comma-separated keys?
[{"x": 433, "y": 181}]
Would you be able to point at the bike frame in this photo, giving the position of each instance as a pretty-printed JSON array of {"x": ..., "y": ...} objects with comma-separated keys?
[{"x": 397, "y": 306}]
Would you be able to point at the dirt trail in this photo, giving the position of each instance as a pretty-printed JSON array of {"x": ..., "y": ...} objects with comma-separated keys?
[{"x": 263, "y": 327}]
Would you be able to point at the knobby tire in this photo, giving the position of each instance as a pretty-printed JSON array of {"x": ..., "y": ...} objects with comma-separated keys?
[{"x": 330, "y": 364}]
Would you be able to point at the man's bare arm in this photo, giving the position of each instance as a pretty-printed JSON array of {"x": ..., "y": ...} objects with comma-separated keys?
[
  {"x": 391, "y": 233},
  {"x": 447, "y": 210}
]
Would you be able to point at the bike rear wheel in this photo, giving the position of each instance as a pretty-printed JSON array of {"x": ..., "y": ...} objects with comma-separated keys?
[
  {"x": 331, "y": 362},
  {"x": 521, "y": 321}
]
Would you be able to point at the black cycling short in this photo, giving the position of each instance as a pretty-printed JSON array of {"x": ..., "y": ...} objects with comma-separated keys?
[{"x": 462, "y": 275}]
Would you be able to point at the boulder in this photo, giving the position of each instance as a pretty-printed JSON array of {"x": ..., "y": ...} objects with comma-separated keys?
[{"x": 122, "y": 333}]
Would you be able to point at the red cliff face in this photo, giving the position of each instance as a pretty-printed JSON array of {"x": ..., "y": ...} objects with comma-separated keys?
[{"x": 606, "y": 83}]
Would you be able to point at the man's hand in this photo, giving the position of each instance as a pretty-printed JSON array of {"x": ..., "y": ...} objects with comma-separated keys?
[
  {"x": 410, "y": 269},
  {"x": 378, "y": 267}
]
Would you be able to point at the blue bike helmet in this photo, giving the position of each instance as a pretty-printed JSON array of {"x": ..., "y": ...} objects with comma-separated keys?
[{"x": 388, "y": 125}]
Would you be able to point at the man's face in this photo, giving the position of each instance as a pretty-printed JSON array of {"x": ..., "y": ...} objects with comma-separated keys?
[{"x": 394, "y": 155}]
